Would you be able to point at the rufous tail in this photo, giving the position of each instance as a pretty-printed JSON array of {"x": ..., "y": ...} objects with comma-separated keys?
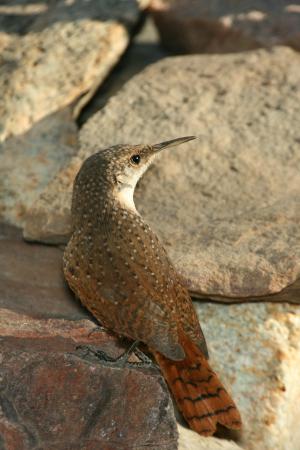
[{"x": 199, "y": 394}]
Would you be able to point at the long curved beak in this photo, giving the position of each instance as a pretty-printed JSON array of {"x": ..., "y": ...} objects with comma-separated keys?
[{"x": 172, "y": 143}]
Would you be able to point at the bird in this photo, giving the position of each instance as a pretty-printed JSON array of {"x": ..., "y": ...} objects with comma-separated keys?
[{"x": 122, "y": 274}]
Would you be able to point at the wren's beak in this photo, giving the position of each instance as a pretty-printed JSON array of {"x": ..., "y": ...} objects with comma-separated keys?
[{"x": 172, "y": 143}]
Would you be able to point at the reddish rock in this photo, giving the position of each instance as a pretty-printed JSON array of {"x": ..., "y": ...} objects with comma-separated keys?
[
  {"x": 31, "y": 279},
  {"x": 56, "y": 396},
  {"x": 224, "y": 26}
]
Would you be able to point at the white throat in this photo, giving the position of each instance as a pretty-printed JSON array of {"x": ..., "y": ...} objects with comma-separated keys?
[
  {"x": 125, "y": 196},
  {"x": 127, "y": 182}
]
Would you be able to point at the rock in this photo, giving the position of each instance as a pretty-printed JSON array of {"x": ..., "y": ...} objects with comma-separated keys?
[
  {"x": 29, "y": 161},
  {"x": 66, "y": 50},
  {"x": 226, "y": 26},
  {"x": 55, "y": 395},
  {"x": 31, "y": 279},
  {"x": 53, "y": 228},
  {"x": 189, "y": 440},
  {"x": 227, "y": 205},
  {"x": 290, "y": 294},
  {"x": 17, "y": 17},
  {"x": 143, "y": 50},
  {"x": 256, "y": 350}
]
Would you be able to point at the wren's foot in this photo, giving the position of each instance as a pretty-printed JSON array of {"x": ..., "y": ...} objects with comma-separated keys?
[
  {"x": 120, "y": 361},
  {"x": 97, "y": 329}
]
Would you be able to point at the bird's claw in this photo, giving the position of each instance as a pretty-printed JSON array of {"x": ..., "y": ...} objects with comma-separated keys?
[{"x": 120, "y": 361}]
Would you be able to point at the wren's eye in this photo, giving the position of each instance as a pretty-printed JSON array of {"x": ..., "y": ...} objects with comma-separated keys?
[{"x": 135, "y": 159}]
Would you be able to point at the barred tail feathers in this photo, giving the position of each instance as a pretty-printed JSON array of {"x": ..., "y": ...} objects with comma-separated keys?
[{"x": 199, "y": 394}]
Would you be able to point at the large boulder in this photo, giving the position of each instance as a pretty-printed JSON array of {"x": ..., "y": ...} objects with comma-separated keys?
[
  {"x": 65, "y": 50},
  {"x": 224, "y": 26},
  {"x": 227, "y": 205},
  {"x": 55, "y": 394}
]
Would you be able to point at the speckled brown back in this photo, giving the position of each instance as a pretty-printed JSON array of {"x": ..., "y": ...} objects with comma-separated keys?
[{"x": 123, "y": 276}]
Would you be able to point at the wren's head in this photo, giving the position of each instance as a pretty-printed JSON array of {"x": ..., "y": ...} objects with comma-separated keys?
[{"x": 111, "y": 175}]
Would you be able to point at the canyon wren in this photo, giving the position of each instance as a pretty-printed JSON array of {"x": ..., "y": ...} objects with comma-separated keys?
[{"x": 122, "y": 274}]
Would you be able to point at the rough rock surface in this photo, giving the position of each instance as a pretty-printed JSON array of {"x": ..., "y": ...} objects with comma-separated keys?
[
  {"x": 29, "y": 161},
  {"x": 227, "y": 205},
  {"x": 55, "y": 395},
  {"x": 144, "y": 49},
  {"x": 48, "y": 220},
  {"x": 223, "y": 26},
  {"x": 256, "y": 350},
  {"x": 64, "y": 51}
]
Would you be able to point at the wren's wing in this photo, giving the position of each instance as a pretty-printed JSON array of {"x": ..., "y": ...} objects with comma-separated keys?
[{"x": 152, "y": 302}]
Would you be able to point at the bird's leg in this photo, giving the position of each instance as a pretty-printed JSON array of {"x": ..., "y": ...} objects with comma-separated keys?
[
  {"x": 97, "y": 329},
  {"x": 122, "y": 360},
  {"x": 145, "y": 360}
]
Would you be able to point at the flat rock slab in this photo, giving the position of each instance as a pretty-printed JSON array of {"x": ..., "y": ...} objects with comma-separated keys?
[
  {"x": 55, "y": 396},
  {"x": 227, "y": 206},
  {"x": 256, "y": 350},
  {"x": 64, "y": 51},
  {"x": 31, "y": 279},
  {"x": 224, "y": 26}
]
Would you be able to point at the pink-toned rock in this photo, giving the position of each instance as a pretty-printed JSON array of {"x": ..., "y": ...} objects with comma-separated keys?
[
  {"x": 57, "y": 396},
  {"x": 222, "y": 26},
  {"x": 255, "y": 348}
]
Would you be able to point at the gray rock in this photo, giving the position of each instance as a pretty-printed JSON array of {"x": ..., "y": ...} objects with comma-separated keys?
[
  {"x": 48, "y": 220},
  {"x": 62, "y": 53},
  {"x": 223, "y": 26},
  {"x": 227, "y": 205},
  {"x": 256, "y": 350},
  {"x": 144, "y": 49},
  {"x": 29, "y": 161}
]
